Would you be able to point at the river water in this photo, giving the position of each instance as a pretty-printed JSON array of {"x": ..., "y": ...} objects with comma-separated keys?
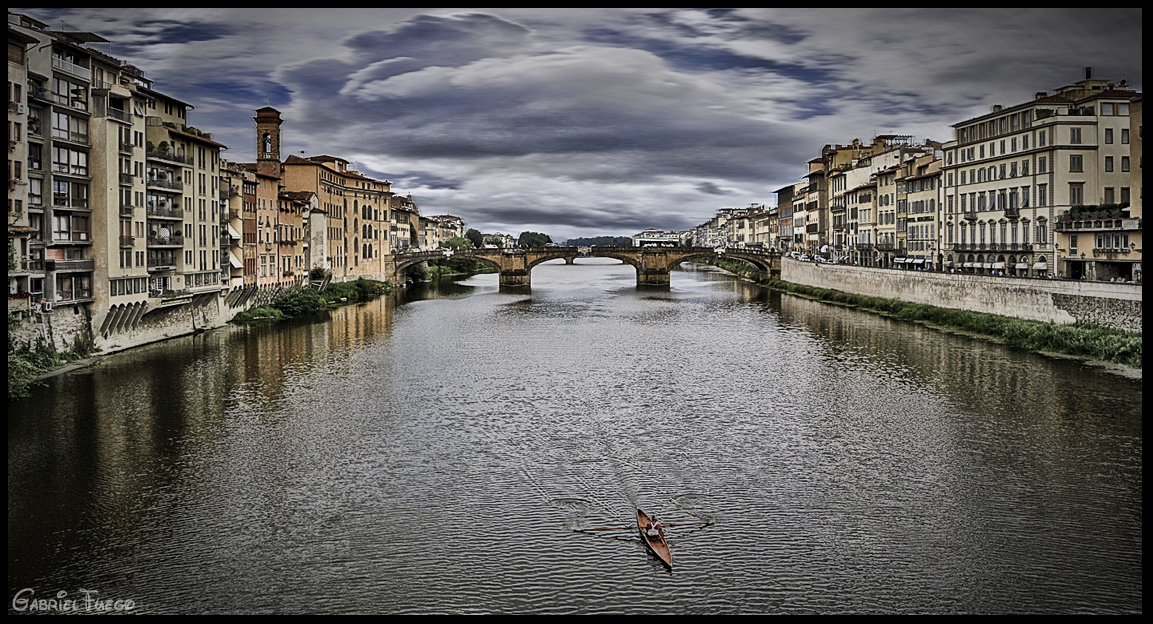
[{"x": 434, "y": 450}]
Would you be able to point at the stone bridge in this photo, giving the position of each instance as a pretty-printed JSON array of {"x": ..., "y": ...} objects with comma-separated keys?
[{"x": 652, "y": 263}]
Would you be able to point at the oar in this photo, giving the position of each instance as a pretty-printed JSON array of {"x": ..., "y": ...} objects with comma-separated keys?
[
  {"x": 676, "y": 524},
  {"x": 607, "y": 528}
]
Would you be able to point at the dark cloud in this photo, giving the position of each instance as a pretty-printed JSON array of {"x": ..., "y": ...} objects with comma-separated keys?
[{"x": 602, "y": 121}]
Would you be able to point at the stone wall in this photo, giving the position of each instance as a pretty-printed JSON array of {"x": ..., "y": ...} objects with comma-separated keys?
[{"x": 1058, "y": 301}]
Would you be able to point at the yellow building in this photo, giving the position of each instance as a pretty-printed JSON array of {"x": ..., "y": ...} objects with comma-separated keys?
[{"x": 1011, "y": 175}]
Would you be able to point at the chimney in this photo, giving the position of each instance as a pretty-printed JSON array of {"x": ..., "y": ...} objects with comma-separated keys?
[{"x": 1088, "y": 73}]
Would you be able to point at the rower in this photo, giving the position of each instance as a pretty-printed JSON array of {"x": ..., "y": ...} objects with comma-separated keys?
[{"x": 655, "y": 528}]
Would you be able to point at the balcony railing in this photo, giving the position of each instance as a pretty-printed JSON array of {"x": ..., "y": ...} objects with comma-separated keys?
[
  {"x": 169, "y": 156},
  {"x": 166, "y": 183},
  {"x": 1109, "y": 252},
  {"x": 71, "y": 68},
  {"x": 165, "y": 211},
  {"x": 172, "y": 240},
  {"x": 70, "y": 265},
  {"x": 1097, "y": 224}
]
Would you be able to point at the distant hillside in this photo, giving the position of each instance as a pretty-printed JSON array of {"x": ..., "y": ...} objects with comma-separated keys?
[{"x": 607, "y": 241}]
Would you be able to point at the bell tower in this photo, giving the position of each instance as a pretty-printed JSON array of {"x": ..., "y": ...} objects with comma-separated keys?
[{"x": 268, "y": 141}]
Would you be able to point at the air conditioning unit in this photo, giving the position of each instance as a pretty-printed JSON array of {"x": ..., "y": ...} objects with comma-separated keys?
[{"x": 46, "y": 307}]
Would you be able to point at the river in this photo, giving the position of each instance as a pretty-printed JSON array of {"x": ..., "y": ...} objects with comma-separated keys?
[{"x": 433, "y": 451}]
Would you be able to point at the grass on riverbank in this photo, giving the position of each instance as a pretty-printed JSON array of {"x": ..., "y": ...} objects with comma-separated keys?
[
  {"x": 1082, "y": 340},
  {"x": 304, "y": 300}
]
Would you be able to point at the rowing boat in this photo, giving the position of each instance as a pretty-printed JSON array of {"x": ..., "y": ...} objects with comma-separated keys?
[{"x": 656, "y": 543}]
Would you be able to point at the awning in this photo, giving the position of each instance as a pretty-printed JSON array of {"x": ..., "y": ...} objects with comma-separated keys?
[
  {"x": 968, "y": 265},
  {"x": 898, "y": 260},
  {"x": 233, "y": 233},
  {"x": 917, "y": 261},
  {"x": 1021, "y": 266},
  {"x": 236, "y": 264},
  {"x": 1040, "y": 266},
  {"x": 998, "y": 265}
]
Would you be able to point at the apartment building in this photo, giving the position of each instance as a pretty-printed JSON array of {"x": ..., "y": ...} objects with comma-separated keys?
[
  {"x": 1010, "y": 175},
  {"x": 918, "y": 187},
  {"x": 50, "y": 80},
  {"x": 1100, "y": 238},
  {"x": 403, "y": 224},
  {"x": 24, "y": 276},
  {"x": 886, "y": 249},
  {"x": 120, "y": 211},
  {"x": 786, "y": 195},
  {"x": 357, "y": 213}
]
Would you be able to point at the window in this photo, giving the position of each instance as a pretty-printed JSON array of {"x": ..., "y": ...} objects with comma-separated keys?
[
  {"x": 1108, "y": 135},
  {"x": 1074, "y": 135},
  {"x": 70, "y": 161},
  {"x": 1124, "y": 163},
  {"x": 1075, "y": 163},
  {"x": 1072, "y": 244},
  {"x": 1042, "y": 164},
  {"x": 1108, "y": 163},
  {"x": 1076, "y": 194},
  {"x": 69, "y": 128},
  {"x": 1124, "y": 136}
]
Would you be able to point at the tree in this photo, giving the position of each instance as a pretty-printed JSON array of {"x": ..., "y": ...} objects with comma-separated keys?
[
  {"x": 533, "y": 239},
  {"x": 474, "y": 236},
  {"x": 457, "y": 242}
]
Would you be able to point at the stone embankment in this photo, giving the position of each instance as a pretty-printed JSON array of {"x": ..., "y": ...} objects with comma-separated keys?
[{"x": 1113, "y": 305}]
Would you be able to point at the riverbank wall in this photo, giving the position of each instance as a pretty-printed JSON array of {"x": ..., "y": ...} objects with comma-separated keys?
[
  {"x": 1113, "y": 305},
  {"x": 77, "y": 329}
]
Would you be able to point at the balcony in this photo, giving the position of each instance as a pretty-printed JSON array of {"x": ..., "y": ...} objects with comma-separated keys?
[
  {"x": 169, "y": 156},
  {"x": 160, "y": 240},
  {"x": 1097, "y": 225},
  {"x": 127, "y": 241},
  {"x": 160, "y": 262},
  {"x": 118, "y": 115},
  {"x": 1110, "y": 253},
  {"x": 167, "y": 183},
  {"x": 165, "y": 210},
  {"x": 71, "y": 68},
  {"x": 70, "y": 266}
]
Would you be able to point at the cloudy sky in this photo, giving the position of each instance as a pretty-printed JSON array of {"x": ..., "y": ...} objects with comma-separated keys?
[{"x": 584, "y": 122}]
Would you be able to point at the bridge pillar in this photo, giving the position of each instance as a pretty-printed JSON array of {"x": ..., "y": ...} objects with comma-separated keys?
[
  {"x": 653, "y": 268},
  {"x": 514, "y": 278},
  {"x": 652, "y": 277}
]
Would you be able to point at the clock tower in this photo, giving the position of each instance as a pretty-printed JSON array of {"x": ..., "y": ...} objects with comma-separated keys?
[{"x": 268, "y": 141}]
